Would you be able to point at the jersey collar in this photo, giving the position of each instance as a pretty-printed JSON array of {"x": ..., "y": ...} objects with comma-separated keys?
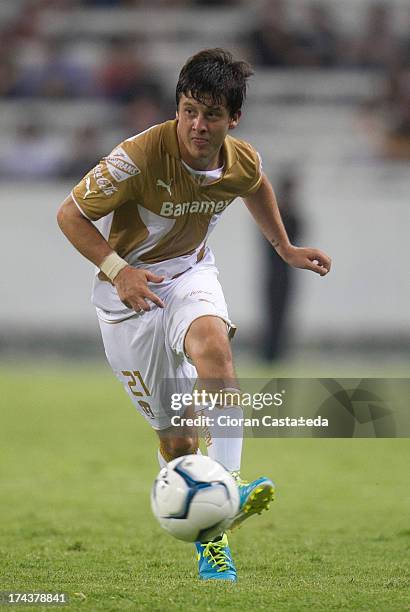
[{"x": 171, "y": 145}]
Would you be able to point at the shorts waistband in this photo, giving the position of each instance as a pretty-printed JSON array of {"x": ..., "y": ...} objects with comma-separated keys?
[{"x": 198, "y": 259}]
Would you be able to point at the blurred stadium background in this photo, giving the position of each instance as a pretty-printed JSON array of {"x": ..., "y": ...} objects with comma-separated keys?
[{"x": 328, "y": 109}]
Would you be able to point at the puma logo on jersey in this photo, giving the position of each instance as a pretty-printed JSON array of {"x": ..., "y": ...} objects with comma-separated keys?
[
  {"x": 88, "y": 185},
  {"x": 167, "y": 186}
]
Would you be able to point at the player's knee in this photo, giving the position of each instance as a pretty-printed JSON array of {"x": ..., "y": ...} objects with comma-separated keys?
[
  {"x": 178, "y": 446},
  {"x": 213, "y": 347},
  {"x": 206, "y": 337}
]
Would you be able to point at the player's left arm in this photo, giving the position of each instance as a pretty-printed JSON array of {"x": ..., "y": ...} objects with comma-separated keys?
[{"x": 264, "y": 209}]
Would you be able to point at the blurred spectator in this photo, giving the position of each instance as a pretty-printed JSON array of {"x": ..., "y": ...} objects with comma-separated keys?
[
  {"x": 26, "y": 23},
  {"x": 85, "y": 151},
  {"x": 124, "y": 75},
  {"x": 143, "y": 112},
  {"x": 215, "y": 3},
  {"x": 376, "y": 46},
  {"x": 56, "y": 76},
  {"x": 271, "y": 42},
  {"x": 279, "y": 275},
  {"x": 103, "y": 3},
  {"x": 386, "y": 117},
  {"x": 162, "y": 3},
  {"x": 135, "y": 3},
  {"x": 318, "y": 43},
  {"x": 8, "y": 76},
  {"x": 397, "y": 115},
  {"x": 32, "y": 154}
]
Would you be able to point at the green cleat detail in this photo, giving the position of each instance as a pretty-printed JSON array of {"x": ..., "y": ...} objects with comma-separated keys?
[{"x": 215, "y": 560}]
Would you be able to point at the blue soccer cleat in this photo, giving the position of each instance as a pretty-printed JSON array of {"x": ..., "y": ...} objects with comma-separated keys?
[
  {"x": 254, "y": 497},
  {"x": 215, "y": 560}
]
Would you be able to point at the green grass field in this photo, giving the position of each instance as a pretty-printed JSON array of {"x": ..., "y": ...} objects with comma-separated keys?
[{"x": 77, "y": 463}]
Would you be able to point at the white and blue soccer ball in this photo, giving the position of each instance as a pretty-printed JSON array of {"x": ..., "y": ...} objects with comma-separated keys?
[{"x": 194, "y": 498}]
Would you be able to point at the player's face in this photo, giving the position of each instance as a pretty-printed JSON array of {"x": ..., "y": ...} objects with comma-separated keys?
[{"x": 201, "y": 132}]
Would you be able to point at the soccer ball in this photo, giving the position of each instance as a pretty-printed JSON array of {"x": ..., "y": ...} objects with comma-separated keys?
[{"x": 194, "y": 498}]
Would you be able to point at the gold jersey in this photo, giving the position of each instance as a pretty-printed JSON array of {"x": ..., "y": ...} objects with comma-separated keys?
[
  {"x": 153, "y": 211},
  {"x": 159, "y": 211}
]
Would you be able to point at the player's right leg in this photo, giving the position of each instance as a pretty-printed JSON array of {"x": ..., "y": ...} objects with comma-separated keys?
[
  {"x": 214, "y": 558},
  {"x": 136, "y": 351},
  {"x": 177, "y": 441}
]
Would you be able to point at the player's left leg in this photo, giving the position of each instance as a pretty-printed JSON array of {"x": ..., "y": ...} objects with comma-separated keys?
[
  {"x": 196, "y": 315},
  {"x": 207, "y": 344}
]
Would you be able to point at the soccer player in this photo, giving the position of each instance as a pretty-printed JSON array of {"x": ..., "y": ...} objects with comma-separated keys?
[{"x": 160, "y": 307}]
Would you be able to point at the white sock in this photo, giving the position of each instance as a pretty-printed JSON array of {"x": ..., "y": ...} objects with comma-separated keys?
[{"x": 226, "y": 450}]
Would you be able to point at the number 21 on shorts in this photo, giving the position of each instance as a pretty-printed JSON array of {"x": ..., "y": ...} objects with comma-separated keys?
[{"x": 139, "y": 389}]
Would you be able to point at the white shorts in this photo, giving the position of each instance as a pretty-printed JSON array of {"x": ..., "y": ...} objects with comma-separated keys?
[{"x": 147, "y": 350}]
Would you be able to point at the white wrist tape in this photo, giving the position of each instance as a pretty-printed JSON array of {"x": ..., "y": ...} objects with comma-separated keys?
[{"x": 112, "y": 265}]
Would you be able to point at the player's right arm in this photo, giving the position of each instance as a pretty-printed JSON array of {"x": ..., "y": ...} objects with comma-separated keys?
[{"x": 131, "y": 284}]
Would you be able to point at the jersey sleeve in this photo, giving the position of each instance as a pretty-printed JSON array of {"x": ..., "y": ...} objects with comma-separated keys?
[
  {"x": 256, "y": 177},
  {"x": 116, "y": 179}
]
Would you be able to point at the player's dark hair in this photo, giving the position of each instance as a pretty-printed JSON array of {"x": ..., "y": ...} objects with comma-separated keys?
[{"x": 214, "y": 74}]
